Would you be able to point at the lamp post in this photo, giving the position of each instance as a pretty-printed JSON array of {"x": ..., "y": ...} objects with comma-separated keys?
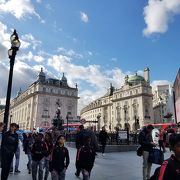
[
  {"x": 67, "y": 118},
  {"x": 98, "y": 119},
  {"x": 15, "y": 44}
]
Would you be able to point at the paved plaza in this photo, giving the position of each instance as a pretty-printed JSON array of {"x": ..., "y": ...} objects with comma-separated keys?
[{"x": 112, "y": 166}]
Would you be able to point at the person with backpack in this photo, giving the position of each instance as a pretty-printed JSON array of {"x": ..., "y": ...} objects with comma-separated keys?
[
  {"x": 170, "y": 169},
  {"x": 80, "y": 142},
  {"x": 59, "y": 160},
  {"x": 49, "y": 145},
  {"x": 146, "y": 142},
  {"x": 39, "y": 150},
  {"x": 86, "y": 157}
]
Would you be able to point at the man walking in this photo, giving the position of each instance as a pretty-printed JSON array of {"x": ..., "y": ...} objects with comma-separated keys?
[
  {"x": 17, "y": 153},
  {"x": 103, "y": 137},
  {"x": 145, "y": 139},
  {"x": 8, "y": 148}
]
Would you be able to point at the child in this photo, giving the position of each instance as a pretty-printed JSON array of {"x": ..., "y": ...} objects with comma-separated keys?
[
  {"x": 59, "y": 161},
  {"x": 86, "y": 158},
  {"x": 170, "y": 168}
]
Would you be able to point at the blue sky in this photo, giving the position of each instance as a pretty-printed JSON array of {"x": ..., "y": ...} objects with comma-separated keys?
[{"x": 92, "y": 42}]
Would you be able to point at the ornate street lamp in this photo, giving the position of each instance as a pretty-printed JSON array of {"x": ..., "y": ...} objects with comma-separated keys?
[
  {"x": 15, "y": 44},
  {"x": 67, "y": 118}
]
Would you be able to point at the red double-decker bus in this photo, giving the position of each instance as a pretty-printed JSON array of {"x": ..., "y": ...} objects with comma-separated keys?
[
  {"x": 164, "y": 126},
  {"x": 71, "y": 127}
]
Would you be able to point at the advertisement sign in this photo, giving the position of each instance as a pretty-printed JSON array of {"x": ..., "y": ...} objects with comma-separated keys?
[
  {"x": 177, "y": 95},
  {"x": 122, "y": 134}
]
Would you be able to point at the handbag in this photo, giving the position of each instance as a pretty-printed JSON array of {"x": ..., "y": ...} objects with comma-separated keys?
[
  {"x": 156, "y": 156},
  {"x": 139, "y": 151}
]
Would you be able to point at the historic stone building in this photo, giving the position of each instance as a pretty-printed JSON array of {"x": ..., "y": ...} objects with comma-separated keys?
[
  {"x": 37, "y": 106},
  {"x": 163, "y": 104},
  {"x": 129, "y": 106}
]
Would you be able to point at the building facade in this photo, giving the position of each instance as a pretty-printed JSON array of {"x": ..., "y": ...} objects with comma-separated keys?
[
  {"x": 163, "y": 104},
  {"x": 37, "y": 106},
  {"x": 127, "y": 107}
]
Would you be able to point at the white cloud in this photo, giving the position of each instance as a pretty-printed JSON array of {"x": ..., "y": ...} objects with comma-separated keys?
[
  {"x": 23, "y": 76},
  {"x": 31, "y": 57},
  {"x": 114, "y": 59},
  {"x": 39, "y": 1},
  {"x": 29, "y": 41},
  {"x": 5, "y": 42},
  {"x": 84, "y": 17},
  {"x": 158, "y": 14},
  {"x": 70, "y": 53},
  {"x": 19, "y": 8}
]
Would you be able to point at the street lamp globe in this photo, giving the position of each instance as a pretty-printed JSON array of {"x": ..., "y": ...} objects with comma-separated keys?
[
  {"x": 10, "y": 52},
  {"x": 15, "y": 40}
]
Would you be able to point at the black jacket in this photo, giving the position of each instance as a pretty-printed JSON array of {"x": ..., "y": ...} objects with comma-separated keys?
[
  {"x": 38, "y": 151},
  {"x": 28, "y": 143},
  {"x": 145, "y": 140},
  {"x": 9, "y": 143},
  {"x": 103, "y": 137},
  {"x": 59, "y": 159},
  {"x": 80, "y": 137},
  {"x": 86, "y": 157},
  {"x": 170, "y": 169}
]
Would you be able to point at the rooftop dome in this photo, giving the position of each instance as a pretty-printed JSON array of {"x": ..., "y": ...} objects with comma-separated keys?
[{"x": 136, "y": 78}]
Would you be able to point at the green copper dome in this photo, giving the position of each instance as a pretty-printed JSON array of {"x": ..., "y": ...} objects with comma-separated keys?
[{"x": 135, "y": 78}]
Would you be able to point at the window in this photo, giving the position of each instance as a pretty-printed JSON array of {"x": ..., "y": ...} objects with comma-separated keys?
[{"x": 44, "y": 89}]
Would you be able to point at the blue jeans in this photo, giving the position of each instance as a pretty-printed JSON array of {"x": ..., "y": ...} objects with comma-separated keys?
[
  {"x": 58, "y": 176},
  {"x": 17, "y": 156},
  {"x": 35, "y": 165},
  {"x": 29, "y": 164},
  {"x": 46, "y": 167}
]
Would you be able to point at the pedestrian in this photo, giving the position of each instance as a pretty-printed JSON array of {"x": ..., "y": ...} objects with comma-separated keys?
[
  {"x": 161, "y": 140},
  {"x": 80, "y": 142},
  {"x": 170, "y": 169},
  {"x": 38, "y": 151},
  {"x": 86, "y": 158},
  {"x": 17, "y": 153},
  {"x": 146, "y": 142},
  {"x": 103, "y": 137},
  {"x": 49, "y": 145},
  {"x": 9, "y": 146},
  {"x": 28, "y": 143},
  {"x": 59, "y": 160},
  {"x": 1, "y": 131}
]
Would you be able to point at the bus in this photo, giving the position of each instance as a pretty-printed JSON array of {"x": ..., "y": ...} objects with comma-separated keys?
[
  {"x": 164, "y": 126},
  {"x": 72, "y": 127}
]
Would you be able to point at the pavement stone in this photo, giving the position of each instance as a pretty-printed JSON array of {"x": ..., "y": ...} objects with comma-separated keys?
[{"x": 112, "y": 166}]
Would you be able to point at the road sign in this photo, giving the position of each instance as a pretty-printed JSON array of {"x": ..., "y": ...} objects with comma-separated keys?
[{"x": 82, "y": 121}]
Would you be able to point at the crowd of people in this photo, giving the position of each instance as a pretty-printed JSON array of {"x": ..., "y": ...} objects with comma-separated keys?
[
  {"x": 170, "y": 168},
  {"x": 46, "y": 152}
]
